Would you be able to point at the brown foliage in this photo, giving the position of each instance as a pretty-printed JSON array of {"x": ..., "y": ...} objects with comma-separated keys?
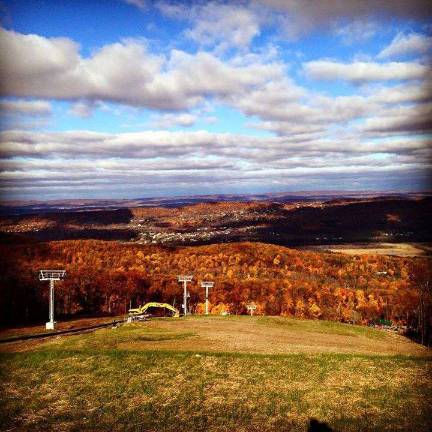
[{"x": 104, "y": 277}]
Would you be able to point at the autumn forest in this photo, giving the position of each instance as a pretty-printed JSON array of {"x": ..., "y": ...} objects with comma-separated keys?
[{"x": 107, "y": 277}]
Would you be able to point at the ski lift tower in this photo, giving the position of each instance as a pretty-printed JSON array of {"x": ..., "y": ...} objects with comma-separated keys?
[
  {"x": 51, "y": 276},
  {"x": 207, "y": 285},
  {"x": 185, "y": 279},
  {"x": 251, "y": 307}
]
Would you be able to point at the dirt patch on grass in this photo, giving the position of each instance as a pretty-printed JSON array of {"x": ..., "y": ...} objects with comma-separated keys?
[
  {"x": 394, "y": 249},
  {"x": 249, "y": 335},
  {"x": 235, "y": 334},
  {"x": 62, "y": 325}
]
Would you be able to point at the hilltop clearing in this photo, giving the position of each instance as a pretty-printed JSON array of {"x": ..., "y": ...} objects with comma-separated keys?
[{"x": 218, "y": 374}]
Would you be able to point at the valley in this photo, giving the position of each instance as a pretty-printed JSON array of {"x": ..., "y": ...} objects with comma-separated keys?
[{"x": 311, "y": 222}]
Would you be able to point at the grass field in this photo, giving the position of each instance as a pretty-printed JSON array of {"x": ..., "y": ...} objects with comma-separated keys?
[
  {"x": 218, "y": 374},
  {"x": 395, "y": 249}
]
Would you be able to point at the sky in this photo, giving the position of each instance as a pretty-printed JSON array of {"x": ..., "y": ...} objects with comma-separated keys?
[{"x": 140, "y": 98}]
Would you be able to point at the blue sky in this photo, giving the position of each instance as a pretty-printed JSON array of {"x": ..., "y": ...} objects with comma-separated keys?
[{"x": 135, "y": 98}]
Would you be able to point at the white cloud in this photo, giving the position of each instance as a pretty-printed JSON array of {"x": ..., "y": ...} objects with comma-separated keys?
[
  {"x": 216, "y": 24},
  {"x": 402, "y": 119},
  {"x": 174, "y": 10},
  {"x": 23, "y": 107},
  {"x": 407, "y": 44},
  {"x": 167, "y": 121},
  {"x": 356, "y": 31},
  {"x": 82, "y": 110},
  {"x": 79, "y": 162},
  {"x": 140, "y": 4},
  {"x": 235, "y": 24},
  {"x": 408, "y": 93},
  {"x": 298, "y": 17},
  {"x": 52, "y": 68},
  {"x": 149, "y": 145},
  {"x": 224, "y": 25},
  {"x": 358, "y": 72}
]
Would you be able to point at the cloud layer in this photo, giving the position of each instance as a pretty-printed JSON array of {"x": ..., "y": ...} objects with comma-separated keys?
[
  {"x": 358, "y": 72},
  {"x": 407, "y": 44},
  {"x": 308, "y": 121},
  {"x": 101, "y": 162},
  {"x": 52, "y": 68}
]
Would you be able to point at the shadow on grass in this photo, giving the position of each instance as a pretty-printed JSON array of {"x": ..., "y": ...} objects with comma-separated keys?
[{"x": 317, "y": 426}]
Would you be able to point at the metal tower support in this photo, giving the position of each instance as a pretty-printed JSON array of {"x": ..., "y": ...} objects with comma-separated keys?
[
  {"x": 207, "y": 285},
  {"x": 185, "y": 279},
  {"x": 51, "y": 305},
  {"x": 51, "y": 276}
]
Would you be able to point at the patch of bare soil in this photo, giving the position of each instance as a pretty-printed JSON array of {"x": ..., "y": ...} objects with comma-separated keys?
[
  {"x": 62, "y": 325},
  {"x": 245, "y": 335},
  {"x": 394, "y": 249}
]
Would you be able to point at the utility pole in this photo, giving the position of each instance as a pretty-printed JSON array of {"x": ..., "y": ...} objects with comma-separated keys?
[
  {"x": 207, "y": 285},
  {"x": 51, "y": 276},
  {"x": 185, "y": 279}
]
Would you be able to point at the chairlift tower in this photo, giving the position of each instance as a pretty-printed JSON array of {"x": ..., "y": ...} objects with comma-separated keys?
[
  {"x": 51, "y": 276},
  {"x": 251, "y": 307},
  {"x": 207, "y": 285},
  {"x": 185, "y": 279}
]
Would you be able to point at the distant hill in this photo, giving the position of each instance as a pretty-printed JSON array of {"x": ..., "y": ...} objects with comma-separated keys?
[
  {"x": 38, "y": 207},
  {"x": 284, "y": 222}
]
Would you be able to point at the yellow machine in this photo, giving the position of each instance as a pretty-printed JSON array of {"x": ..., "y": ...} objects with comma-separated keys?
[{"x": 141, "y": 311}]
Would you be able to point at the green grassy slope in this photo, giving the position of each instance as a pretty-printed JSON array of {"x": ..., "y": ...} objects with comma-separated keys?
[{"x": 147, "y": 377}]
